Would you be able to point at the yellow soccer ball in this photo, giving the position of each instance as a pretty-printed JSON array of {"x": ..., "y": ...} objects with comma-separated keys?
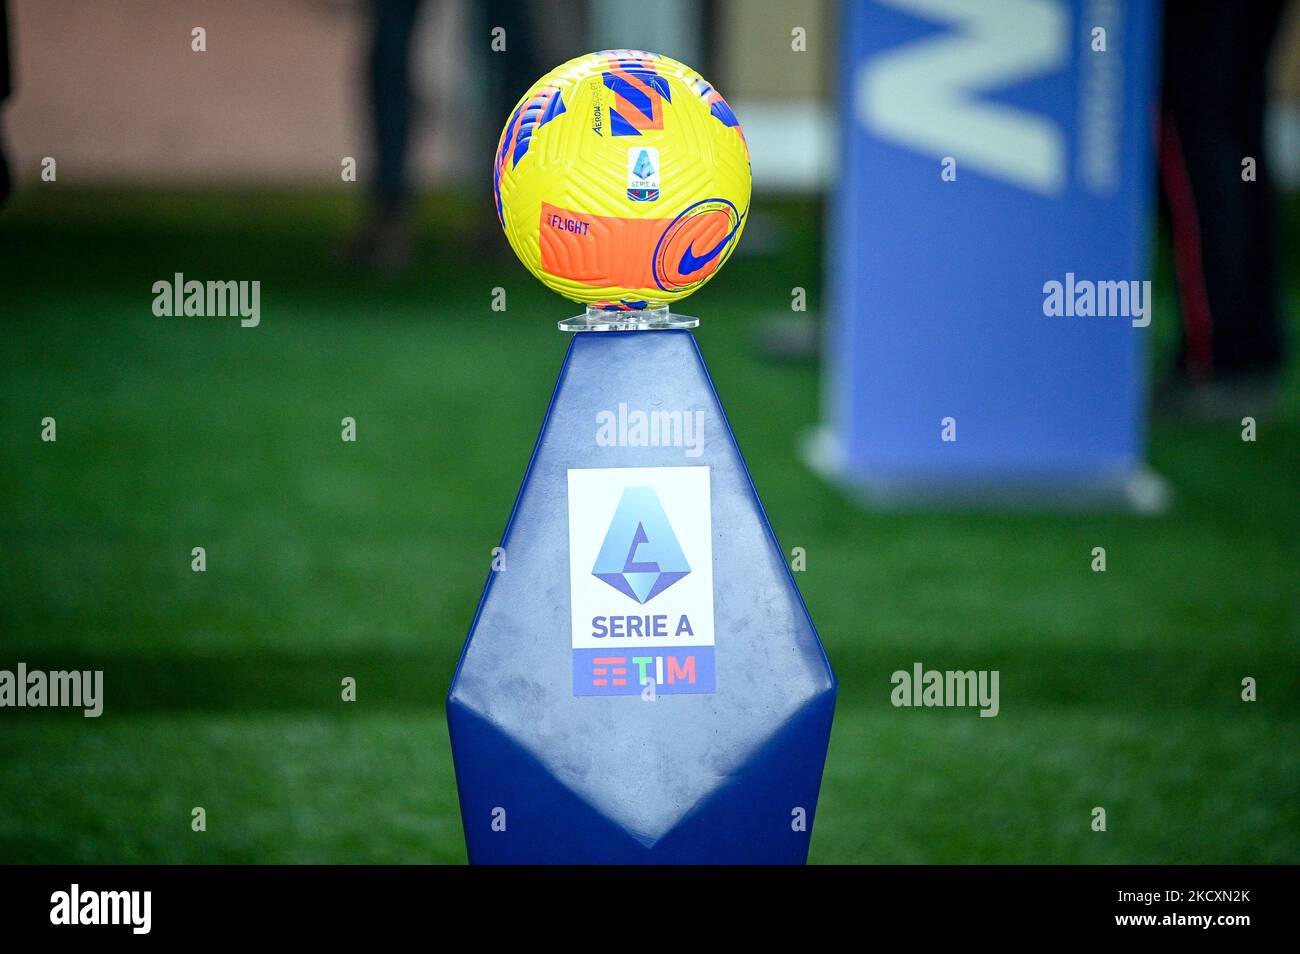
[{"x": 622, "y": 180}]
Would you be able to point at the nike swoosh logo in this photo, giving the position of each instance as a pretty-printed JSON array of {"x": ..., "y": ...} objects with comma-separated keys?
[{"x": 693, "y": 263}]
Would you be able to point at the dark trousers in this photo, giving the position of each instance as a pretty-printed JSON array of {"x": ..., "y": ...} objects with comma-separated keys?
[
  {"x": 391, "y": 100},
  {"x": 1224, "y": 229},
  {"x": 389, "y": 69}
]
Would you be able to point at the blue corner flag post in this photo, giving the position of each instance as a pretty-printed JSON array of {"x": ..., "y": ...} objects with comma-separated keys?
[{"x": 642, "y": 682}]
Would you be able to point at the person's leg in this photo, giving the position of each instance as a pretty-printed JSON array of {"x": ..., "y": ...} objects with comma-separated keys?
[
  {"x": 384, "y": 240},
  {"x": 390, "y": 99},
  {"x": 1257, "y": 342},
  {"x": 1216, "y": 54},
  {"x": 513, "y": 70},
  {"x": 509, "y": 74}
]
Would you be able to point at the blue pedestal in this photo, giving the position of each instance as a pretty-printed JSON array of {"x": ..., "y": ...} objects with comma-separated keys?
[{"x": 642, "y": 682}]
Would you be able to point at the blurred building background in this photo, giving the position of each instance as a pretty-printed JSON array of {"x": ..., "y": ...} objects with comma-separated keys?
[{"x": 115, "y": 92}]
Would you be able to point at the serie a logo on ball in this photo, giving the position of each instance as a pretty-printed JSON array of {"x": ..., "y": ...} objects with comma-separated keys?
[{"x": 622, "y": 180}]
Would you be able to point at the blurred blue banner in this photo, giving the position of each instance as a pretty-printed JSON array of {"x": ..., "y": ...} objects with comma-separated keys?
[{"x": 989, "y": 252}]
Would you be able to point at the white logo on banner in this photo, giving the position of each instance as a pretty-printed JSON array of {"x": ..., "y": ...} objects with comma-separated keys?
[{"x": 925, "y": 95}]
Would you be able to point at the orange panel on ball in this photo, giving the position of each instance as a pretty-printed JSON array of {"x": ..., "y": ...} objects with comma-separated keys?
[{"x": 602, "y": 251}]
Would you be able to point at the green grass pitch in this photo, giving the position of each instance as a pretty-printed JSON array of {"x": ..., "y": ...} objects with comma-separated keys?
[{"x": 328, "y": 560}]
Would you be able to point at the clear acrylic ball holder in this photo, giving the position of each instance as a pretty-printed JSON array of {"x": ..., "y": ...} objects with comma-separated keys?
[{"x": 641, "y": 319}]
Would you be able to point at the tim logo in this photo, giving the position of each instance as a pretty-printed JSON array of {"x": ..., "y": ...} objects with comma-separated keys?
[
  {"x": 642, "y": 610},
  {"x": 671, "y": 672}
]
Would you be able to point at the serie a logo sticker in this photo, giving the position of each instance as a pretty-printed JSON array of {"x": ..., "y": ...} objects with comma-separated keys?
[{"x": 641, "y": 580}]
